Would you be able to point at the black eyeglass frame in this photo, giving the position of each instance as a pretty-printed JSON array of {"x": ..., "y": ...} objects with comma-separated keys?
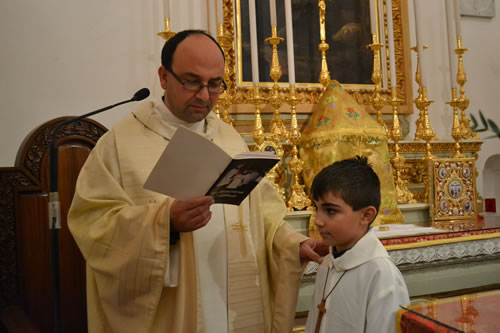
[{"x": 199, "y": 86}]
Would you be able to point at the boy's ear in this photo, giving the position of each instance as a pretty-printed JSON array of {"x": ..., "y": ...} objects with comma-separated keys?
[{"x": 369, "y": 214}]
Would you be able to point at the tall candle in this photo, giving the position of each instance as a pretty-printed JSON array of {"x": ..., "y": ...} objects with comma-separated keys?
[
  {"x": 458, "y": 25},
  {"x": 450, "y": 15},
  {"x": 289, "y": 43},
  {"x": 373, "y": 17},
  {"x": 420, "y": 43},
  {"x": 166, "y": 8},
  {"x": 253, "y": 41},
  {"x": 272, "y": 11},
  {"x": 390, "y": 35},
  {"x": 219, "y": 12},
  {"x": 159, "y": 11}
]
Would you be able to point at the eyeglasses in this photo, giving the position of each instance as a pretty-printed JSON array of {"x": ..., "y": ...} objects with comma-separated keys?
[{"x": 195, "y": 86}]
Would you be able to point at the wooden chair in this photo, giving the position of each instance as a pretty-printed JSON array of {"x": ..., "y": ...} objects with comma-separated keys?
[{"x": 26, "y": 292}]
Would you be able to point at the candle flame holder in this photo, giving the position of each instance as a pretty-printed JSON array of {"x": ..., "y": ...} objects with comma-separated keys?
[{"x": 166, "y": 34}]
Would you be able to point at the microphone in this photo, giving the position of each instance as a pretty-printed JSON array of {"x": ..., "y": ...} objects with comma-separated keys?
[
  {"x": 55, "y": 205},
  {"x": 138, "y": 96}
]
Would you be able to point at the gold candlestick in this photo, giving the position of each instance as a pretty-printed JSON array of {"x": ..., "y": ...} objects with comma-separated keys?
[
  {"x": 278, "y": 128},
  {"x": 398, "y": 161},
  {"x": 226, "y": 98},
  {"x": 423, "y": 103},
  {"x": 166, "y": 34},
  {"x": 258, "y": 131},
  {"x": 420, "y": 123},
  {"x": 266, "y": 141},
  {"x": 324, "y": 77},
  {"x": 378, "y": 101},
  {"x": 463, "y": 102},
  {"x": 298, "y": 198},
  {"x": 456, "y": 130}
]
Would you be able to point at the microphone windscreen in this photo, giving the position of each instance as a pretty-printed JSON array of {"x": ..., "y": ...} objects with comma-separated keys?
[{"x": 141, "y": 94}]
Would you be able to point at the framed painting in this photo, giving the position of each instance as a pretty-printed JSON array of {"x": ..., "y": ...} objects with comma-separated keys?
[{"x": 349, "y": 60}]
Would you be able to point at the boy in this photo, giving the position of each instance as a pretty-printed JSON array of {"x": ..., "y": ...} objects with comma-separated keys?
[{"x": 358, "y": 287}]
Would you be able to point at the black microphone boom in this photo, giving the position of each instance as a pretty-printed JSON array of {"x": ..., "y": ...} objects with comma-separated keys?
[{"x": 54, "y": 204}]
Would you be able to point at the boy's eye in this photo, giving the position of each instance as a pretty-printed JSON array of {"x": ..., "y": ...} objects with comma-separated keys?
[{"x": 331, "y": 211}]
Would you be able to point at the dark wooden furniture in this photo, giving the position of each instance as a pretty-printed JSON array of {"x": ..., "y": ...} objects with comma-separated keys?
[{"x": 26, "y": 292}]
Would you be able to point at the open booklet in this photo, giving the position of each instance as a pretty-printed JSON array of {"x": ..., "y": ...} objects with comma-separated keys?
[{"x": 193, "y": 166}]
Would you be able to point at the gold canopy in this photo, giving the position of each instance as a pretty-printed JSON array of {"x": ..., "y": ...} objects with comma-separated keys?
[{"x": 340, "y": 128}]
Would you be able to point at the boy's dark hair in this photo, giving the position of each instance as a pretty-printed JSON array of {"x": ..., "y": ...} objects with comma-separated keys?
[
  {"x": 353, "y": 180},
  {"x": 167, "y": 53}
]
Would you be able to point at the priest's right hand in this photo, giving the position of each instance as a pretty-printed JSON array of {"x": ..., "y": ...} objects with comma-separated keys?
[{"x": 191, "y": 214}]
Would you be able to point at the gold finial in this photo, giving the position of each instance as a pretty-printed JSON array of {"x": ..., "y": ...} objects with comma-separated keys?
[
  {"x": 166, "y": 34},
  {"x": 324, "y": 77}
]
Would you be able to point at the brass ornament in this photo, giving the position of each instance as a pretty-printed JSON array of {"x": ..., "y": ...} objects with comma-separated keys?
[{"x": 166, "y": 34}]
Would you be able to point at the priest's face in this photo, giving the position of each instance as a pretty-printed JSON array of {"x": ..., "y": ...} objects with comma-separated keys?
[
  {"x": 338, "y": 224},
  {"x": 196, "y": 61}
]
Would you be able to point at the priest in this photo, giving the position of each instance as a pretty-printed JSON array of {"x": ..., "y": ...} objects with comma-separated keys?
[{"x": 156, "y": 264}]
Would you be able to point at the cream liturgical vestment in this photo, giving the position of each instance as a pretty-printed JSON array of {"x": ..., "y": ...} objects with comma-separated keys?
[
  {"x": 369, "y": 291},
  {"x": 245, "y": 263}
]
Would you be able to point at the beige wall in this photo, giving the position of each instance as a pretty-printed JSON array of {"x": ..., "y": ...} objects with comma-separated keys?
[{"x": 70, "y": 57}]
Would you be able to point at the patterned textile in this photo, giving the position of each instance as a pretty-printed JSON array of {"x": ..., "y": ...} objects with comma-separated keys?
[
  {"x": 409, "y": 322},
  {"x": 340, "y": 128}
]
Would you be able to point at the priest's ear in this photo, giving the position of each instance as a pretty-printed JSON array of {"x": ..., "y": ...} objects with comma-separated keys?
[{"x": 162, "y": 73}]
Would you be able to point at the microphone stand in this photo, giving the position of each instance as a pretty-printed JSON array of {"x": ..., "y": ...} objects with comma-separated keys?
[{"x": 55, "y": 205}]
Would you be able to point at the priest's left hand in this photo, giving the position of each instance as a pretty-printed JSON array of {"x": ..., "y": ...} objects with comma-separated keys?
[{"x": 314, "y": 250}]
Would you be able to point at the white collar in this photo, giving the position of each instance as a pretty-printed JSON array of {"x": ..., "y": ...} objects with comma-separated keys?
[{"x": 167, "y": 116}]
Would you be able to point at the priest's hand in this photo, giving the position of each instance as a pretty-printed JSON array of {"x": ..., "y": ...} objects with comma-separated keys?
[
  {"x": 313, "y": 250},
  {"x": 191, "y": 214}
]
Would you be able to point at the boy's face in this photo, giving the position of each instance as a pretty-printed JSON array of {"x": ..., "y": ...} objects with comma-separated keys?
[{"x": 338, "y": 224}]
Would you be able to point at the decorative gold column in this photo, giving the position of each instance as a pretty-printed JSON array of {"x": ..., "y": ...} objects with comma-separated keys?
[
  {"x": 463, "y": 102},
  {"x": 378, "y": 101},
  {"x": 298, "y": 198},
  {"x": 166, "y": 34},
  {"x": 456, "y": 130},
  {"x": 324, "y": 77},
  {"x": 398, "y": 161},
  {"x": 278, "y": 129},
  {"x": 226, "y": 98}
]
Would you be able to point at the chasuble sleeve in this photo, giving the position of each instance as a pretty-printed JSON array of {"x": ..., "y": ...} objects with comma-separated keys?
[
  {"x": 284, "y": 265},
  {"x": 125, "y": 245}
]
